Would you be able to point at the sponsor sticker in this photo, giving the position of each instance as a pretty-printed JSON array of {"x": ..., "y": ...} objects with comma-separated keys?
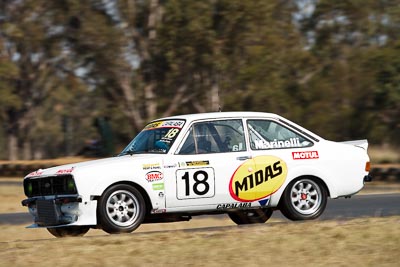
[
  {"x": 154, "y": 176},
  {"x": 167, "y": 166},
  {"x": 158, "y": 186},
  {"x": 194, "y": 163},
  {"x": 151, "y": 166},
  {"x": 264, "y": 202},
  {"x": 158, "y": 211},
  {"x": 153, "y": 125},
  {"x": 257, "y": 178},
  {"x": 305, "y": 155},
  {"x": 65, "y": 171},
  {"x": 234, "y": 206},
  {"x": 35, "y": 173}
]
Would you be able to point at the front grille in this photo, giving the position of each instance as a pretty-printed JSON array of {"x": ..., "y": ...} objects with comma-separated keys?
[
  {"x": 52, "y": 185},
  {"x": 47, "y": 212}
]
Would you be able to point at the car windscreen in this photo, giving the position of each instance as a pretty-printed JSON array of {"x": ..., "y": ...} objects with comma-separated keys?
[{"x": 156, "y": 137}]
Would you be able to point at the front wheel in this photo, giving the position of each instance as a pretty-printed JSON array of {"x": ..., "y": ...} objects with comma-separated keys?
[
  {"x": 68, "y": 231},
  {"x": 303, "y": 199},
  {"x": 250, "y": 216},
  {"x": 121, "y": 209}
]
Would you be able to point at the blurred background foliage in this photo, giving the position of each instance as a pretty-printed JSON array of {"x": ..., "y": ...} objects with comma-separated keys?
[{"x": 85, "y": 76}]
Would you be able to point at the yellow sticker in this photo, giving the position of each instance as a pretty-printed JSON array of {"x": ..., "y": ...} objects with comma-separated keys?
[
  {"x": 153, "y": 125},
  {"x": 257, "y": 178}
]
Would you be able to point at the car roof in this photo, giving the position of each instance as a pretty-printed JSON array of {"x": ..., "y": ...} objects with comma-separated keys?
[
  {"x": 237, "y": 114},
  {"x": 217, "y": 115}
]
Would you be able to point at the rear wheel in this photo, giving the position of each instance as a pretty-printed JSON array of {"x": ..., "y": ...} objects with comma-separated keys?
[
  {"x": 250, "y": 216},
  {"x": 68, "y": 231},
  {"x": 303, "y": 199},
  {"x": 121, "y": 209}
]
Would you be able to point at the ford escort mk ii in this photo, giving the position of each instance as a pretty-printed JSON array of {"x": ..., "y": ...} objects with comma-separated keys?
[{"x": 244, "y": 164}]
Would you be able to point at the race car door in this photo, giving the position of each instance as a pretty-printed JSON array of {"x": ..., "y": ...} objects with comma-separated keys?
[{"x": 206, "y": 161}]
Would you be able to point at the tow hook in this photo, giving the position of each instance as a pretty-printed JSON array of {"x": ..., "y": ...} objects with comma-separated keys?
[{"x": 367, "y": 178}]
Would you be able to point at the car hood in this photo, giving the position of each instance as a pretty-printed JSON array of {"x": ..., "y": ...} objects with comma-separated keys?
[{"x": 72, "y": 168}]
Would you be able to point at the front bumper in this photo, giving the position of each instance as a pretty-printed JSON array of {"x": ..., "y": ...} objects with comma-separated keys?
[{"x": 59, "y": 211}]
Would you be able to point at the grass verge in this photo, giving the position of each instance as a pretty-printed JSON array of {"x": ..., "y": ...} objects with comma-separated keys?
[{"x": 359, "y": 242}]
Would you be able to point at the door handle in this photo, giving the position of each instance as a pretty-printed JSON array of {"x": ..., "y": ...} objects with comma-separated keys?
[{"x": 243, "y": 158}]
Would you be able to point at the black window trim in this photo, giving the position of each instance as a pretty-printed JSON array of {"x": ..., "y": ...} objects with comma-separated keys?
[
  {"x": 286, "y": 125},
  {"x": 298, "y": 130},
  {"x": 185, "y": 136}
]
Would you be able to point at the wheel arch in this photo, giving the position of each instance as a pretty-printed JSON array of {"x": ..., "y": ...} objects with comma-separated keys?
[
  {"x": 311, "y": 177},
  {"x": 141, "y": 190},
  {"x": 291, "y": 210},
  {"x": 306, "y": 176}
]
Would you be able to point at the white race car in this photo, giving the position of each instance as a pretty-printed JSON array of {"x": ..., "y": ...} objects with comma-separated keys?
[{"x": 245, "y": 164}]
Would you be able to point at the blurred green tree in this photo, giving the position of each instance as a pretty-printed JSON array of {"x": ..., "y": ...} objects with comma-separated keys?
[
  {"x": 349, "y": 41},
  {"x": 35, "y": 92},
  {"x": 332, "y": 66}
]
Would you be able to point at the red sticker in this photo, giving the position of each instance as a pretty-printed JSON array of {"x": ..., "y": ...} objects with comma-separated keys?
[{"x": 305, "y": 155}]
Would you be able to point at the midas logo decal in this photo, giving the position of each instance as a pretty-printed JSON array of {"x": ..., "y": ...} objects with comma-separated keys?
[
  {"x": 305, "y": 155},
  {"x": 258, "y": 178}
]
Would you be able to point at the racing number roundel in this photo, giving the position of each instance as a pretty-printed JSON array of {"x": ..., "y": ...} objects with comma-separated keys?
[{"x": 251, "y": 184}]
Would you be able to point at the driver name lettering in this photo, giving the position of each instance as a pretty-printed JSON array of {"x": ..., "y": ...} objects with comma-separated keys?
[
  {"x": 292, "y": 142},
  {"x": 177, "y": 124},
  {"x": 169, "y": 123}
]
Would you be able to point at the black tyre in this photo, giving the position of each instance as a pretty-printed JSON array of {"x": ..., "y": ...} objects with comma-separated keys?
[
  {"x": 68, "y": 231},
  {"x": 250, "y": 216},
  {"x": 121, "y": 209},
  {"x": 303, "y": 199}
]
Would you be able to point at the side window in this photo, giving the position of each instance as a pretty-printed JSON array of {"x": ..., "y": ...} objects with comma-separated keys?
[
  {"x": 214, "y": 137},
  {"x": 267, "y": 134}
]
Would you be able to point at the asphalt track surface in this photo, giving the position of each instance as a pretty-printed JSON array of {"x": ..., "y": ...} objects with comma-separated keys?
[{"x": 376, "y": 205}]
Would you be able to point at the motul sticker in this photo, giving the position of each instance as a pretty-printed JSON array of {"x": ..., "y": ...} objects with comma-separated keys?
[{"x": 305, "y": 155}]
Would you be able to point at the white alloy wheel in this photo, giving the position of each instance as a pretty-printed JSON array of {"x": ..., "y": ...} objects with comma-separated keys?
[
  {"x": 122, "y": 208},
  {"x": 303, "y": 199},
  {"x": 306, "y": 196}
]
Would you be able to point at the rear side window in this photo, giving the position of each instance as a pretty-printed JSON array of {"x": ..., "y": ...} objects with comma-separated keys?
[{"x": 268, "y": 134}]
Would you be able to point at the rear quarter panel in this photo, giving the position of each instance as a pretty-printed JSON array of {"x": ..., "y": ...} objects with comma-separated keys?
[
  {"x": 347, "y": 164},
  {"x": 340, "y": 166}
]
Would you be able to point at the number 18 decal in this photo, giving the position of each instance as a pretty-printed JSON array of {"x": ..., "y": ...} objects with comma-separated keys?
[{"x": 195, "y": 183}]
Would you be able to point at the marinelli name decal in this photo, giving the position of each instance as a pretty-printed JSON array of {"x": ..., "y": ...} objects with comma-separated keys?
[{"x": 292, "y": 142}]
